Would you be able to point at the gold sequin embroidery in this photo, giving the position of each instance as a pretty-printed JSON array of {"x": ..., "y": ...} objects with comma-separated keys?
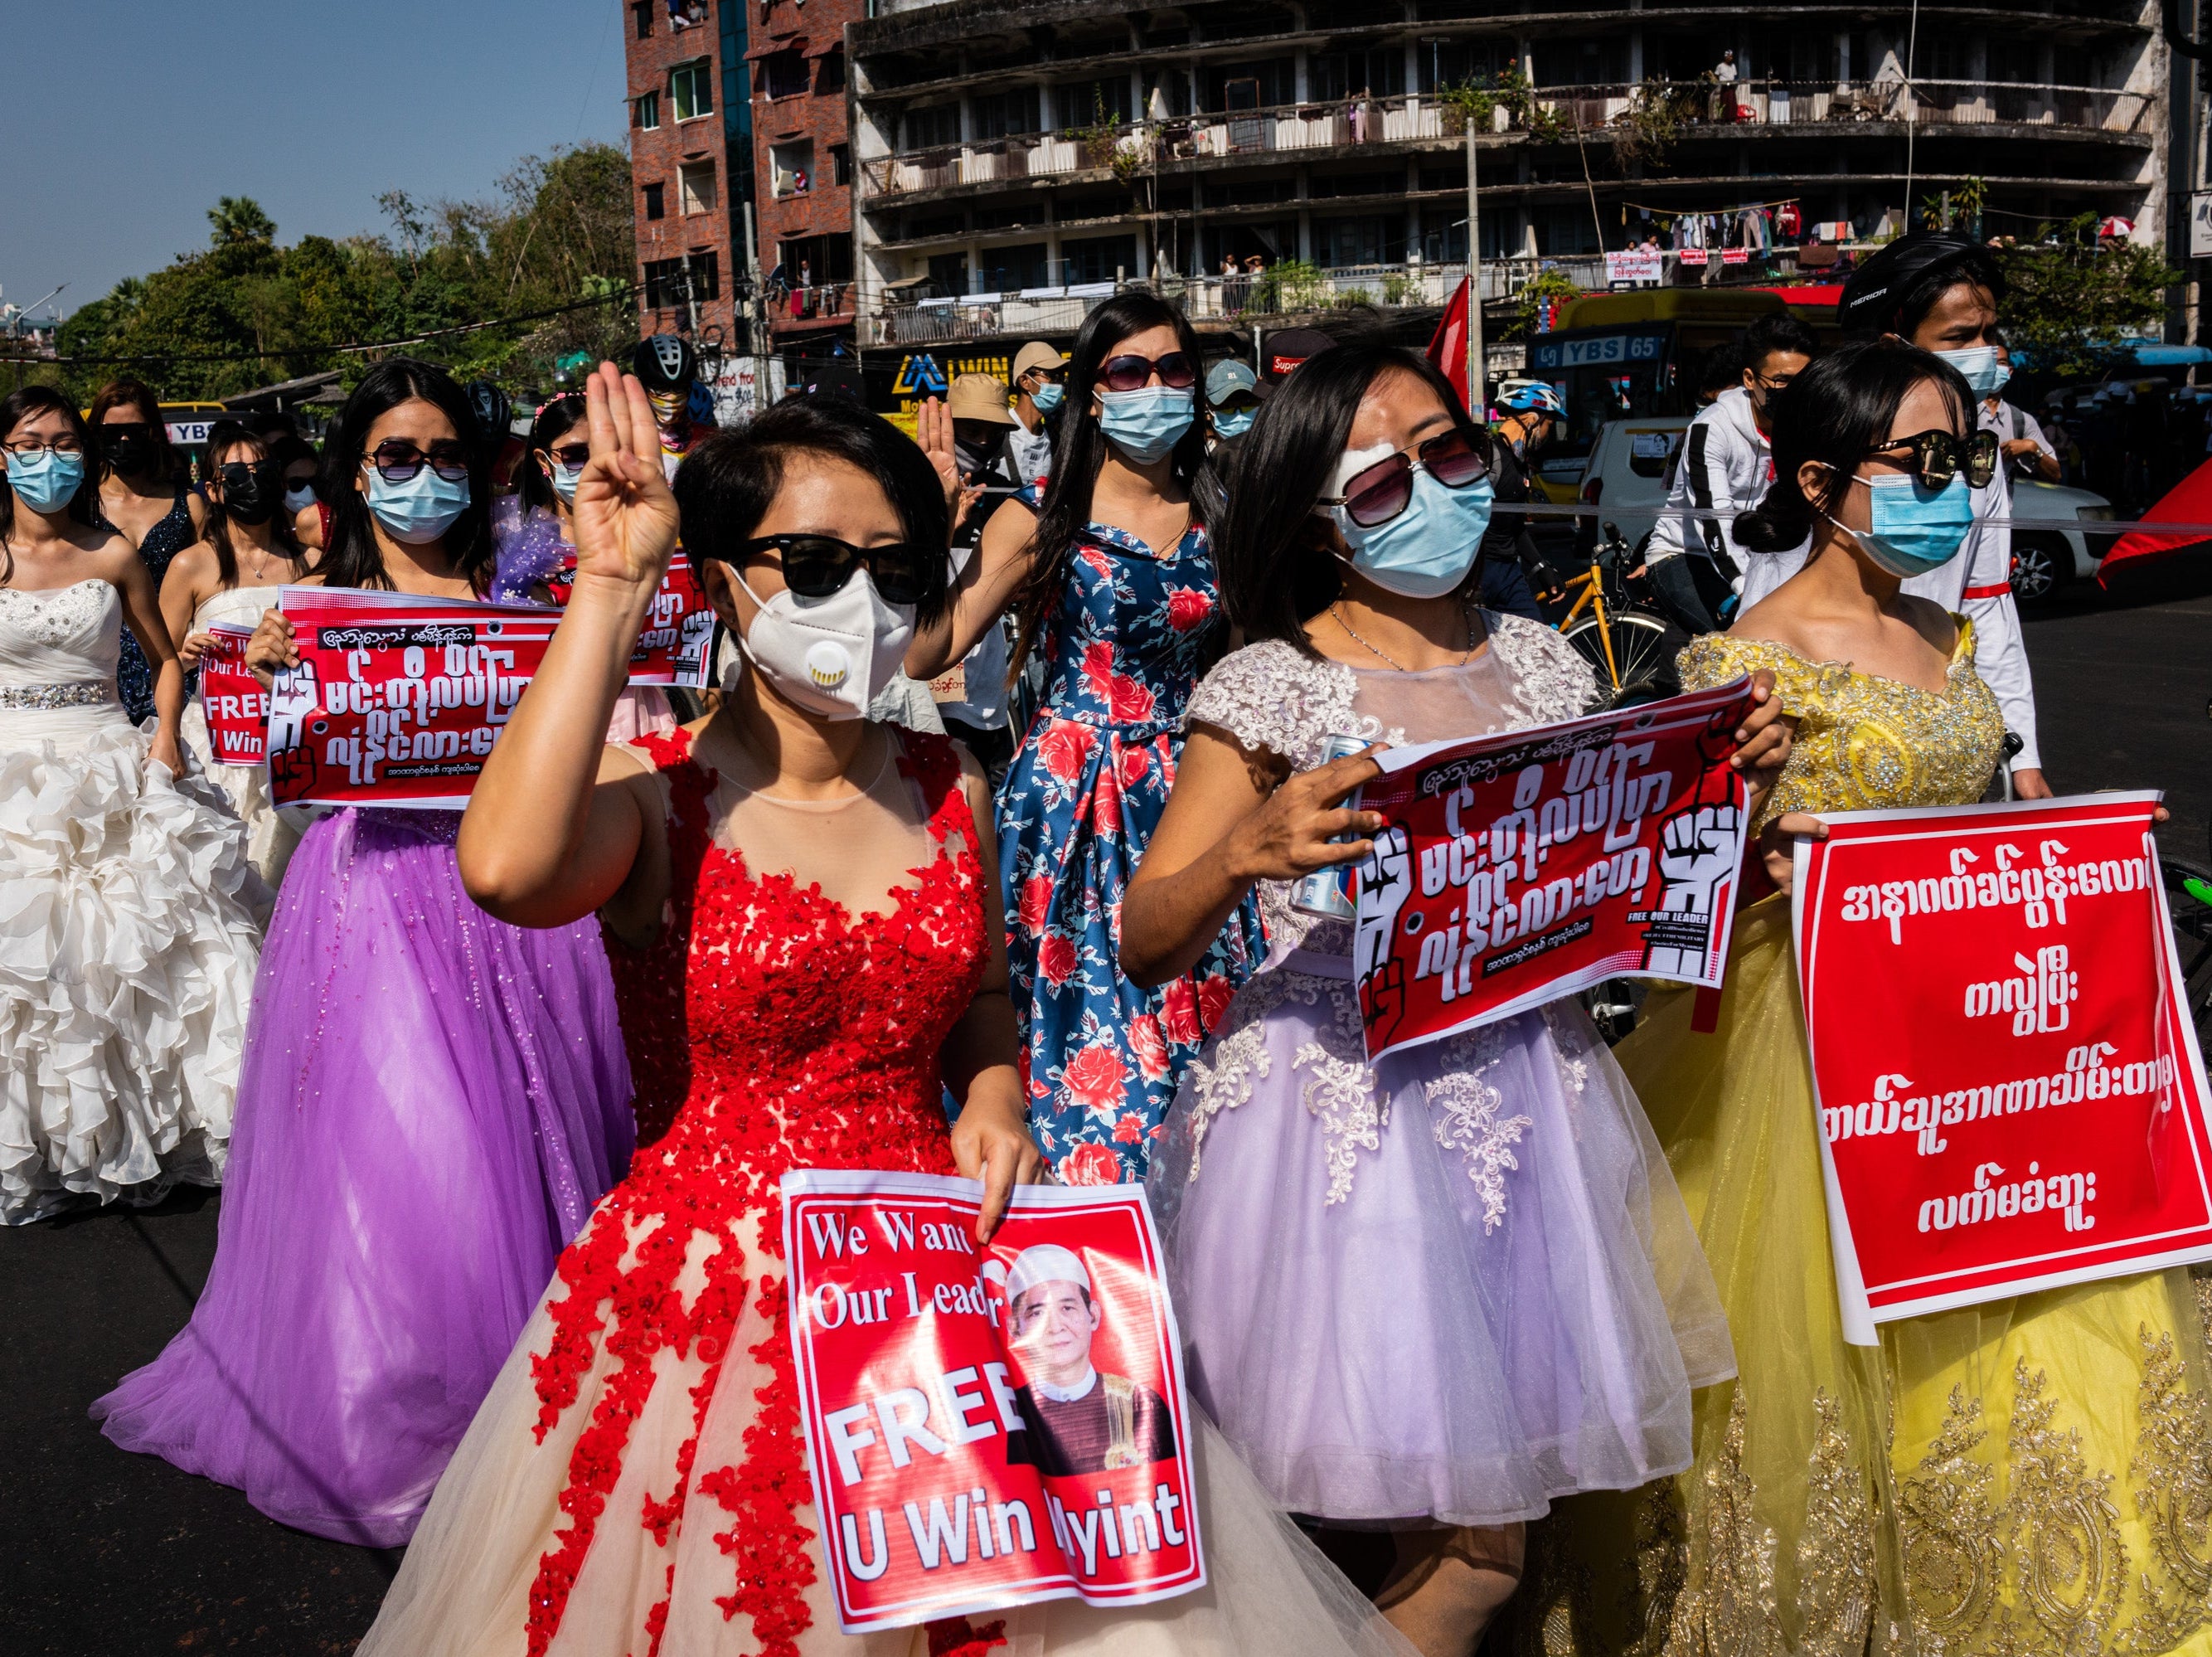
[
  {"x": 2064, "y": 1533},
  {"x": 1730, "y": 1603},
  {"x": 2174, "y": 1496},
  {"x": 1949, "y": 1526},
  {"x": 1837, "y": 1597}
]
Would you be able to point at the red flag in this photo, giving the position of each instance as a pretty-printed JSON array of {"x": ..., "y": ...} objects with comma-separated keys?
[
  {"x": 2189, "y": 501},
  {"x": 1447, "y": 348}
]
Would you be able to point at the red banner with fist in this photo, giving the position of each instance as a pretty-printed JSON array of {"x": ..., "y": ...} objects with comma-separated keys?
[
  {"x": 672, "y": 646},
  {"x": 235, "y": 706},
  {"x": 990, "y": 1425},
  {"x": 2011, "y": 1091},
  {"x": 1522, "y": 867},
  {"x": 397, "y": 700}
]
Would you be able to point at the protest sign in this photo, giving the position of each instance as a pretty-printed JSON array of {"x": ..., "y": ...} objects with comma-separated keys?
[
  {"x": 1519, "y": 867},
  {"x": 673, "y": 648},
  {"x": 396, "y": 699},
  {"x": 1634, "y": 264},
  {"x": 2010, "y": 1093},
  {"x": 232, "y": 699},
  {"x": 987, "y": 1426}
]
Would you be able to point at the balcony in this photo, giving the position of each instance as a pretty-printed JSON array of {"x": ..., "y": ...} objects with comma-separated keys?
[{"x": 1425, "y": 119}]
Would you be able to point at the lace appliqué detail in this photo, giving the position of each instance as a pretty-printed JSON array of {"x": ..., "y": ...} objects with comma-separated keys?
[
  {"x": 1552, "y": 680},
  {"x": 1340, "y": 1091},
  {"x": 60, "y": 619},
  {"x": 1948, "y": 1522},
  {"x": 1732, "y": 1605},
  {"x": 1466, "y": 1108},
  {"x": 1221, "y": 1077},
  {"x": 2174, "y": 1496}
]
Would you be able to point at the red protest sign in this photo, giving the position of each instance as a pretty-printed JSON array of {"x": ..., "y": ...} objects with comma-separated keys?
[
  {"x": 988, "y": 1427},
  {"x": 671, "y": 649},
  {"x": 2010, "y": 1091},
  {"x": 232, "y": 700},
  {"x": 397, "y": 700},
  {"x": 1522, "y": 867}
]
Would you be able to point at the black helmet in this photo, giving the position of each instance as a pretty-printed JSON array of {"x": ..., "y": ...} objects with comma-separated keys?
[
  {"x": 494, "y": 412},
  {"x": 665, "y": 363},
  {"x": 1881, "y": 290}
]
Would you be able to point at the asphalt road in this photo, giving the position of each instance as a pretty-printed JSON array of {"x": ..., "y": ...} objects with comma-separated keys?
[{"x": 123, "y": 1555}]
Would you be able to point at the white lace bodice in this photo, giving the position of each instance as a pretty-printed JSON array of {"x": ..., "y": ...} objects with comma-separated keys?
[
  {"x": 69, "y": 636},
  {"x": 238, "y": 607},
  {"x": 1271, "y": 695}
]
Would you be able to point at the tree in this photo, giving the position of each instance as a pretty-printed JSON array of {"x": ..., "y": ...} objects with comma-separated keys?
[
  {"x": 239, "y": 219},
  {"x": 2072, "y": 300}
]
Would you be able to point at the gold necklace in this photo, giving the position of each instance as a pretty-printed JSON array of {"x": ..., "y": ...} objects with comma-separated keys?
[{"x": 1467, "y": 618}]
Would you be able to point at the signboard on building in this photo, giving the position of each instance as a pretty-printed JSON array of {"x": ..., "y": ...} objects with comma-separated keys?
[{"x": 2200, "y": 225}]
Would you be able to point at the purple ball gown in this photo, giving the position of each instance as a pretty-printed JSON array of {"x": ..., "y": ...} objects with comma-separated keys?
[{"x": 432, "y": 1102}]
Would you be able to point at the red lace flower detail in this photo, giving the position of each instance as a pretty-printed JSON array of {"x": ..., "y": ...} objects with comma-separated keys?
[{"x": 810, "y": 1041}]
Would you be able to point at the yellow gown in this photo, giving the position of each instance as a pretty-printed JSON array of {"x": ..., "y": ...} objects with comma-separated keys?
[{"x": 2027, "y": 1476}]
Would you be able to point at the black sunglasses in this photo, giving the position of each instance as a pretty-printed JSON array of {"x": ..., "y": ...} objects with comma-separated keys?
[
  {"x": 1178, "y": 370},
  {"x": 125, "y": 429},
  {"x": 1939, "y": 456},
  {"x": 397, "y": 460},
  {"x": 572, "y": 457},
  {"x": 1051, "y": 376},
  {"x": 1381, "y": 492},
  {"x": 816, "y": 566},
  {"x": 240, "y": 474}
]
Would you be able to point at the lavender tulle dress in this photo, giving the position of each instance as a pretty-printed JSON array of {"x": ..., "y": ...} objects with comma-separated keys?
[
  {"x": 431, "y": 1103},
  {"x": 1451, "y": 1288}
]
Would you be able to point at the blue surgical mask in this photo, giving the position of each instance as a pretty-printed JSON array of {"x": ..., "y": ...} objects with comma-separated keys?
[
  {"x": 419, "y": 510},
  {"x": 565, "y": 482},
  {"x": 1980, "y": 367},
  {"x": 1146, "y": 424},
  {"x": 1427, "y": 550},
  {"x": 1233, "y": 423},
  {"x": 1913, "y": 529},
  {"x": 46, "y": 482},
  {"x": 1047, "y": 397}
]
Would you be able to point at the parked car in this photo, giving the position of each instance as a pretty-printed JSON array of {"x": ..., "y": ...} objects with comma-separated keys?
[{"x": 1633, "y": 460}]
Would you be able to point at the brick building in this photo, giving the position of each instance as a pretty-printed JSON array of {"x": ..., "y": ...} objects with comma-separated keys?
[{"x": 735, "y": 104}]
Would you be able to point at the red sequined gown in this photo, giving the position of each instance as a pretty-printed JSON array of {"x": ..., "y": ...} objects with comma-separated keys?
[{"x": 636, "y": 1483}]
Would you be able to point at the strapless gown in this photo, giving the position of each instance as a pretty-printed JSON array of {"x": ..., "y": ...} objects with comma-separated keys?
[
  {"x": 128, "y": 936},
  {"x": 271, "y": 832}
]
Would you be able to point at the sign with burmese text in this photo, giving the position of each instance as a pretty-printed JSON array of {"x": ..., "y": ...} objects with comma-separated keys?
[
  {"x": 235, "y": 705},
  {"x": 1516, "y": 868},
  {"x": 991, "y": 1425},
  {"x": 2010, "y": 1093},
  {"x": 671, "y": 647},
  {"x": 396, "y": 699}
]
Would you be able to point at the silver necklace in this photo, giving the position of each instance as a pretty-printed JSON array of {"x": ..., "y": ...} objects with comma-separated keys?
[{"x": 1466, "y": 616}]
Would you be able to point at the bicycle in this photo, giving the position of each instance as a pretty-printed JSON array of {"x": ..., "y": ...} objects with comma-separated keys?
[{"x": 1631, "y": 643}]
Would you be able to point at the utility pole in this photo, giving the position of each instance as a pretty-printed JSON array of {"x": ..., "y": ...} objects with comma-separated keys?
[
  {"x": 1475, "y": 362},
  {"x": 756, "y": 316}
]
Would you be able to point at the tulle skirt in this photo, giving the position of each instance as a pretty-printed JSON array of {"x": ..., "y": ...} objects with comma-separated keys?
[
  {"x": 129, "y": 936},
  {"x": 1446, "y": 1293},
  {"x": 466, "y": 1587},
  {"x": 2030, "y": 1475},
  {"x": 272, "y": 833},
  {"x": 432, "y": 1102}
]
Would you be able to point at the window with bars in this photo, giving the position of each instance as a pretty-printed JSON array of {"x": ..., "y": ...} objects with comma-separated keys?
[
  {"x": 670, "y": 286},
  {"x": 936, "y": 127}
]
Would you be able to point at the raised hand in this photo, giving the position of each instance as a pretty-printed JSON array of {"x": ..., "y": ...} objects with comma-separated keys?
[{"x": 625, "y": 514}]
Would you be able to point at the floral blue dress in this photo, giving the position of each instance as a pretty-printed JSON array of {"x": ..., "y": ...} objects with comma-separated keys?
[{"x": 1100, "y": 1057}]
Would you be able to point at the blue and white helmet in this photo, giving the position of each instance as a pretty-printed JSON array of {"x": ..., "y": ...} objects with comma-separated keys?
[{"x": 1532, "y": 396}]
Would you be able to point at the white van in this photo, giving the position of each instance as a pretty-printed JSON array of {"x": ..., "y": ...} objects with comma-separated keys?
[{"x": 1633, "y": 463}]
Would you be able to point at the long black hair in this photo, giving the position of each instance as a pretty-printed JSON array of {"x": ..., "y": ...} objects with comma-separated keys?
[
  {"x": 1277, "y": 563},
  {"x": 227, "y": 437},
  {"x": 1835, "y": 413},
  {"x": 553, "y": 423},
  {"x": 1079, "y": 451},
  {"x": 730, "y": 479},
  {"x": 83, "y": 507},
  {"x": 354, "y": 558}
]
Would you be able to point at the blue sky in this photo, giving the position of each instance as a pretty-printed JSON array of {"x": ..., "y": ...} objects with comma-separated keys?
[{"x": 123, "y": 121}]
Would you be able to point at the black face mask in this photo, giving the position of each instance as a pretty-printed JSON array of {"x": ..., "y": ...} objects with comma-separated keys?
[
  {"x": 128, "y": 448},
  {"x": 250, "y": 495}
]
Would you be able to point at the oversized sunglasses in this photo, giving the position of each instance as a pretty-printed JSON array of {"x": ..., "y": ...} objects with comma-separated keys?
[
  {"x": 1938, "y": 456},
  {"x": 816, "y": 566},
  {"x": 397, "y": 461},
  {"x": 240, "y": 474},
  {"x": 572, "y": 457},
  {"x": 1381, "y": 492},
  {"x": 1178, "y": 370}
]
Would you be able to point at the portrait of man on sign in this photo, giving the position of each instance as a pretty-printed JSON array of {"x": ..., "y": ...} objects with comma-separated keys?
[{"x": 1075, "y": 1419}]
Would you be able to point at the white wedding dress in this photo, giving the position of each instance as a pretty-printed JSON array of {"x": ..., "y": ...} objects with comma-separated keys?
[
  {"x": 272, "y": 832},
  {"x": 128, "y": 943}
]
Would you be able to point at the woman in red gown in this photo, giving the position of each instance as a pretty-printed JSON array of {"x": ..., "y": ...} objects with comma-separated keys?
[{"x": 799, "y": 899}]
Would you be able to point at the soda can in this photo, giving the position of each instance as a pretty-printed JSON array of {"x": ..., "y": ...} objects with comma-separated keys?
[{"x": 1327, "y": 893}]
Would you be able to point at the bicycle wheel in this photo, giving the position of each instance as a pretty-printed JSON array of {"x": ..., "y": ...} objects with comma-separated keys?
[
  {"x": 1643, "y": 650},
  {"x": 2189, "y": 897}
]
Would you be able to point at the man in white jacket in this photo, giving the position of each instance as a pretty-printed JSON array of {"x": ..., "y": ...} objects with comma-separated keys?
[
  {"x": 1726, "y": 464},
  {"x": 1939, "y": 290}
]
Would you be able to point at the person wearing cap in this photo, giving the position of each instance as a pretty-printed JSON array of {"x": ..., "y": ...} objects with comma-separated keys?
[
  {"x": 1234, "y": 392},
  {"x": 1075, "y": 1418},
  {"x": 1939, "y": 289},
  {"x": 1291, "y": 347},
  {"x": 972, "y": 697},
  {"x": 1040, "y": 387}
]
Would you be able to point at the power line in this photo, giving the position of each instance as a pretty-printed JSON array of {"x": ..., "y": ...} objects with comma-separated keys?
[{"x": 616, "y": 297}]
